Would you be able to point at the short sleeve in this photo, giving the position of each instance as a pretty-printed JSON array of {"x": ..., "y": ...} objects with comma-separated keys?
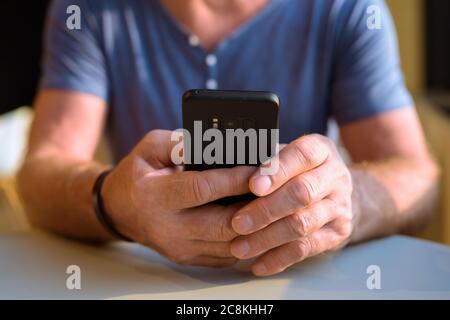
[
  {"x": 367, "y": 77},
  {"x": 73, "y": 59}
]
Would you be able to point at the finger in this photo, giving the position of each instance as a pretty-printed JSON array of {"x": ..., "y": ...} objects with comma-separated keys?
[
  {"x": 303, "y": 154},
  {"x": 300, "y": 224},
  {"x": 208, "y": 248},
  {"x": 280, "y": 258},
  {"x": 208, "y": 223},
  {"x": 301, "y": 191},
  {"x": 205, "y": 261},
  {"x": 193, "y": 188},
  {"x": 156, "y": 148}
]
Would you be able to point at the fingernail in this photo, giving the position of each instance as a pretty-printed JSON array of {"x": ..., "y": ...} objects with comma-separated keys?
[
  {"x": 240, "y": 248},
  {"x": 261, "y": 184},
  {"x": 242, "y": 223},
  {"x": 260, "y": 269}
]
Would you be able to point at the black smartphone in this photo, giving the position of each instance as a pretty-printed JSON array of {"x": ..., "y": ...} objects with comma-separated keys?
[{"x": 223, "y": 129}]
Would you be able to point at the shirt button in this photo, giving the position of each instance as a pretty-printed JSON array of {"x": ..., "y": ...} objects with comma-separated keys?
[
  {"x": 211, "y": 60},
  {"x": 194, "y": 40},
  {"x": 211, "y": 84}
]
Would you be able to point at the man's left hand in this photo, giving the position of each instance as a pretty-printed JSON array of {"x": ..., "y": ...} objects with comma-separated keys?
[{"x": 304, "y": 209}]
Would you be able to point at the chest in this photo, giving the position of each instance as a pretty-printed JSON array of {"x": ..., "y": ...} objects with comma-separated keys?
[
  {"x": 212, "y": 22},
  {"x": 274, "y": 52}
]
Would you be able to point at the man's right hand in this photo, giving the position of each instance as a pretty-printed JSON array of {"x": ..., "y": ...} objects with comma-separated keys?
[{"x": 158, "y": 205}]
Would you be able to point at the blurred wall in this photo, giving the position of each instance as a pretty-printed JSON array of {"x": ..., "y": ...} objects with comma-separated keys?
[{"x": 409, "y": 20}]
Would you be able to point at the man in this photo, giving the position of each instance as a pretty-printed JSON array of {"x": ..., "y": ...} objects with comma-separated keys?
[{"x": 128, "y": 65}]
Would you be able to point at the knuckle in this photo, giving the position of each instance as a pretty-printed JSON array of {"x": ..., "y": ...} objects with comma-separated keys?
[
  {"x": 313, "y": 245},
  {"x": 299, "y": 248},
  {"x": 283, "y": 170},
  {"x": 311, "y": 150},
  {"x": 345, "y": 212},
  {"x": 311, "y": 187},
  {"x": 259, "y": 244},
  {"x": 310, "y": 222},
  {"x": 347, "y": 174},
  {"x": 299, "y": 224},
  {"x": 267, "y": 214},
  {"x": 150, "y": 135},
  {"x": 323, "y": 139},
  {"x": 303, "y": 190},
  {"x": 303, "y": 152},
  {"x": 344, "y": 228},
  {"x": 342, "y": 207},
  {"x": 154, "y": 134},
  {"x": 235, "y": 181},
  {"x": 296, "y": 192},
  {"x": 224, "y": 231},
  {"x": 150, "y": 138},
  {"x": 276, "y": 264},
  {"x": 202, "y": 189},
  {"x": 150, "y": 142},
  {"x": 324, "y": 143},
  {"x": 346, "y": 178},
  {"x": 303, "y": 248},
  {"x": 341, "y": 211}
]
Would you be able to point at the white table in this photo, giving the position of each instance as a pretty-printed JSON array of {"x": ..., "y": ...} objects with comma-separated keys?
[{"x": 33, "y": 266}]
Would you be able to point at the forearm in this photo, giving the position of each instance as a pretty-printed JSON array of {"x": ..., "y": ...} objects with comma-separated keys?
[
  {"x": 395, "y": 196},
  {"x": 57, "y": 196}
]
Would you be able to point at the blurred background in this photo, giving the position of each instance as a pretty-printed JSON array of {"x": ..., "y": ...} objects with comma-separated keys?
[{"x": 423, "y": 28}]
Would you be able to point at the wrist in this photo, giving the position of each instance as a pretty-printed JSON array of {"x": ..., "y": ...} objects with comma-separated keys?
[
  {"x": 356, "y": 207},
  {"x": 356, "y": 214},
  {"x": 103, "y": 208},
  {"x": 374, "y": 208}
]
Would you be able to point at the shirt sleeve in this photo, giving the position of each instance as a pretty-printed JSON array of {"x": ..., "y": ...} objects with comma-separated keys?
[
  {"x": 367, "y": 77},
  {"x": 73, "y": 59}
]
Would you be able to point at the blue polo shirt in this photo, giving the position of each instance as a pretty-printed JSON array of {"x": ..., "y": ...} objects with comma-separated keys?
[{"x": 323, "y": 58}]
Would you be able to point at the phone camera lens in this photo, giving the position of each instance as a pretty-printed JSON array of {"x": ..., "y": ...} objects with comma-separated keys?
[
  {"x": 249, "y": 123},
  {"x": 230, "y": 124}
]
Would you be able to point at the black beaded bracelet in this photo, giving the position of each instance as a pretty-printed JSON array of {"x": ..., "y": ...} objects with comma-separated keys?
[{"x": 99, "y": 209}]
